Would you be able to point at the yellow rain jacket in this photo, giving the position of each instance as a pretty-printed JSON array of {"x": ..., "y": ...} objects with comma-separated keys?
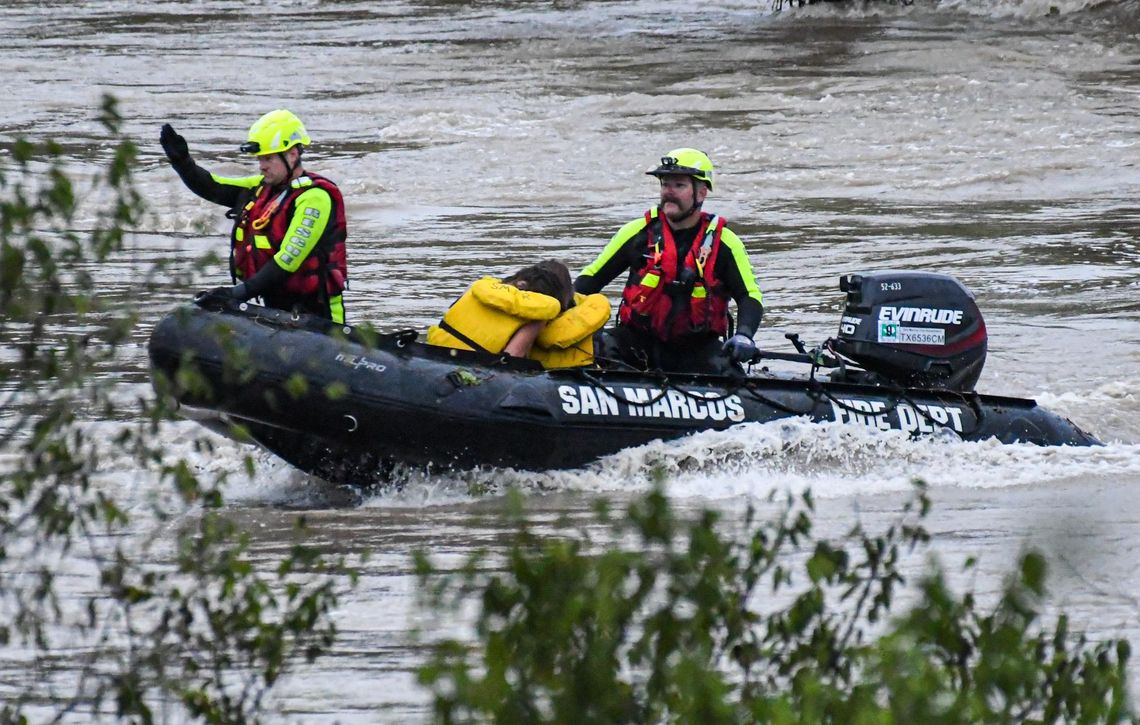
[
  {"x": 488, "y": 314},
  {"x": 568, "y": 340}
]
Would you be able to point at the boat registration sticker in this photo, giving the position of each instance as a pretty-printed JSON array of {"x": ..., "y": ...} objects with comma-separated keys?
[{"x": 896, "y": 333}]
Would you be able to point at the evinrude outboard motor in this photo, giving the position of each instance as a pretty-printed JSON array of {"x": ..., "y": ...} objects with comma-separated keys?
[{"x": 915, "y": 329}]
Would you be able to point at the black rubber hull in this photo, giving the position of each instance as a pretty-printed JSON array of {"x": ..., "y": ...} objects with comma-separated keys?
[{"x": 343, "y": 408}]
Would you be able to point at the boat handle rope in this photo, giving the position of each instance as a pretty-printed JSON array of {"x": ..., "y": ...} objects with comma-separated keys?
[
  {"x": 815, "y": 391},
  {"x": 667, "y": 385},
  {"x": 616, "y": 361},
  {"x": 263, "y": 320},
  {"x": 971, "y": 401},
  {"x": 900, "y": 396},
  {"x": 979, "y": 413},
  {"x": 773, "y": 403},
  {"x": 594, "y": 382}
]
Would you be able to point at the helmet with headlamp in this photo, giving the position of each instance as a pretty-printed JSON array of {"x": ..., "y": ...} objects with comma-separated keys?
[
  {"x": 685, "y": 162},
  {"x": 274, "y": 133}
]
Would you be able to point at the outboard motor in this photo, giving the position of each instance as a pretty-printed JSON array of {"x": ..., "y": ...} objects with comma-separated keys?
[{"x": 915, "y": 329}]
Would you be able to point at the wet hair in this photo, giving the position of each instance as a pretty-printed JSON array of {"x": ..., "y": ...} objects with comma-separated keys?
[{"x": 549, "y": 277}]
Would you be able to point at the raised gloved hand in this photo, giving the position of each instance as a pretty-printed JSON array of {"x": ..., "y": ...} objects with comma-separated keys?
[
  {"x": 740, "y": 348},
  {"x": 174, "y": 145}
]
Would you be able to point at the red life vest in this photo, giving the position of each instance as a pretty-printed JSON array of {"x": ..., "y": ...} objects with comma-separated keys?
[
  {"x": 648, "y": 304},
  {"x": 268, "y": 216}
]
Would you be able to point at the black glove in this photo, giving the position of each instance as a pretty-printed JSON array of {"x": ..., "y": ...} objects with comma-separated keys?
[
  {"x": 239, "y": 292},
  {"x": 224, "y": 294},
  {"x": 740, "y": 348},
  {"x": 213, "y": 296},
  {"x": 174, "y": 145}
]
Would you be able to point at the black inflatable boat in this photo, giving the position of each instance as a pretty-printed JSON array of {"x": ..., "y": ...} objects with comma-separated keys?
[{"x": 345, "y": 403}]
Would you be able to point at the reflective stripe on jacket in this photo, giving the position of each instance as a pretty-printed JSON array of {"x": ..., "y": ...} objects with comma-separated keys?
[{"x": 301, "y": 230}]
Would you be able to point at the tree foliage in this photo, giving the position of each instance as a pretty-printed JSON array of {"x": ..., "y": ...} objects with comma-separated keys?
[
  {"x": 658, "y": 619},
  {"x": 116, "y": 603}
]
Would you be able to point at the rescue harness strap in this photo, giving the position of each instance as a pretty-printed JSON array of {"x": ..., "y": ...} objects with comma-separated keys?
[{"x": 443, "y": 325}]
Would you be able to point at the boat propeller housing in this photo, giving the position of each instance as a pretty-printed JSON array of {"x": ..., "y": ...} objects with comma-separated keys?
[{"x": 916, "y": 329}]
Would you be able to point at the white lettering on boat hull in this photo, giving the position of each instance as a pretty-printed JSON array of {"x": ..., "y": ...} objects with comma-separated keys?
[
  {"x": 921, "y": 418},
  {"x": 641, "y": 402}
]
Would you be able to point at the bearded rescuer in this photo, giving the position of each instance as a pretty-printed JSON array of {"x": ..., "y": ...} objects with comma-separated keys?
[
  {"x": 684, "y": 266},
  {"x": 288, "y": 242}
]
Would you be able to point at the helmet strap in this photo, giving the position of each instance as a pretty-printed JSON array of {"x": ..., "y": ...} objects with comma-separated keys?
[
  {"x": 697, "y": 203},
  {"x": 290, "y": 168}
]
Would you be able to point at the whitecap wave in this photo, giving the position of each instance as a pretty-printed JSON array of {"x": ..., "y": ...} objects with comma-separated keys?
[
  {"x": 1111, "y": 411},
  {"x": 1026, "y": 8}
]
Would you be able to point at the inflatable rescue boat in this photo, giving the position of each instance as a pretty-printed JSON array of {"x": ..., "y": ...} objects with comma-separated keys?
[{"x": 345, "y": 403}]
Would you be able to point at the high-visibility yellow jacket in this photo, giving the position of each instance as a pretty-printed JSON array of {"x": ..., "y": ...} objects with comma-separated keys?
[
  {"x": 568, "y": 340},
  {"x": 488, "y": 314}
]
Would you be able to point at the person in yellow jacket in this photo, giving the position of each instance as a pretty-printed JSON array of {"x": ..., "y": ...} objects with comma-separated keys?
[
  {"x": 567, "y": 341},
  {"x": 533, "y": 313}
]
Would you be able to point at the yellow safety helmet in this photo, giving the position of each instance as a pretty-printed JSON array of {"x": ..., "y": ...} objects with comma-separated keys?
[
  {"x": 686, "y": 162},
  {"x": 275, "y": 132}
]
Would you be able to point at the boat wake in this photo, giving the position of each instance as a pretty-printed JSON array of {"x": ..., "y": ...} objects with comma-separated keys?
[{"x": 753, "y": 460}]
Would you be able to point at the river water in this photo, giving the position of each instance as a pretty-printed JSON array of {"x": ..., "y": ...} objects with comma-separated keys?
[{"x": 997, "y": 141}]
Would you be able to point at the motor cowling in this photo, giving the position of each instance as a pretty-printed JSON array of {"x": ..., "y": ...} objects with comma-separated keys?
[{"x": 917, "y": 329}]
